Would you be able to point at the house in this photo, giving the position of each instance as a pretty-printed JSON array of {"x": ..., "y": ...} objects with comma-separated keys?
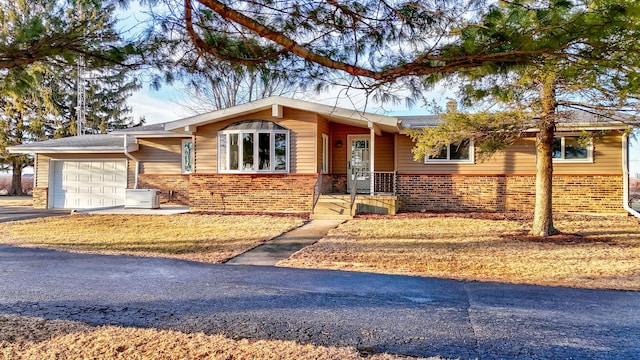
[{"x": 283, "y": 155}]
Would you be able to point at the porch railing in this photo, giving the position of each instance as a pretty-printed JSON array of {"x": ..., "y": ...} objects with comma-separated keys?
[
  {"x": 317, "y": 190},
  {"x": 384, "y": 182},
  {"x": 353, "y": 191}
]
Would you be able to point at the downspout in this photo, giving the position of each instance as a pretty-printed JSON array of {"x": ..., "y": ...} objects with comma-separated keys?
[
  {"x": 625, "y": 174},
  {"x": 137, "y": 169}
]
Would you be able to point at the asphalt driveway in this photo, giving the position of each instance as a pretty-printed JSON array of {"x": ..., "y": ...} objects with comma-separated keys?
[
  {"x": 15, "y": 213},
  {"x": 397, "y": 314}
]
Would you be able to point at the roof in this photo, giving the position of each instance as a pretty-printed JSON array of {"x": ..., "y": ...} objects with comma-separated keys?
[
  {"x": 153, "y": 130},
  {"x": 102, "y": 143},
  {"x": 574, "y": 119},
  {"x": 420, "y": 121},
  {"x": 276, "y": 103}
]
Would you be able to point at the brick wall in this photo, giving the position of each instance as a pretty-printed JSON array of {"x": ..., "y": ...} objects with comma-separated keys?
[
  {"x": 40, "y": 197},
  {"x": 252, "y": 193},
  {"x": 579, "y": 194},
  {"x": 175, "y": 188}
]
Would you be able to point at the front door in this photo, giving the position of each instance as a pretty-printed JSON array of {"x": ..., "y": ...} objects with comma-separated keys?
[{"x": 358, "y": 160}]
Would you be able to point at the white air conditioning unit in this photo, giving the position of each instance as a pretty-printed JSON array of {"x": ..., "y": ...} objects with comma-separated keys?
[{"x": 142, "y": 198}]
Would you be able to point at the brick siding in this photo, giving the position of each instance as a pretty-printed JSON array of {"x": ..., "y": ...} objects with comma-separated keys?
[
  {"x": 40, "y": 197},
  {"x": 571, "y": 194},
  {"x": 252, "y": 193},
  {"x": 174, "y": 188}
]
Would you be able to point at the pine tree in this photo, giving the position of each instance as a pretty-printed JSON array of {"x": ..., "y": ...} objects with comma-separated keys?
[
  {"x": 600, "y": 74},
  {"x": 40, "y": 44}
]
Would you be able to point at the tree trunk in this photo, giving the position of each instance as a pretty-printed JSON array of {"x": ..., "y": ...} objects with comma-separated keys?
[
  {"x": 16, "y": 180},
  {"x": 543, "y": 213}
]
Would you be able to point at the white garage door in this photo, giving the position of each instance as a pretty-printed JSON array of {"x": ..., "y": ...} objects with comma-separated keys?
[{"x": 89, "y": 184}]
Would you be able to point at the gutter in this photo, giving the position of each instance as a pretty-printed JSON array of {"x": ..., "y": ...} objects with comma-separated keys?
[
  {"x": 128, "y": 154},
  {"x": 625, "y": 174}
]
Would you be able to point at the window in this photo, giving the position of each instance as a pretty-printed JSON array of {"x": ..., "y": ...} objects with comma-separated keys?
[
  {"x": 253, "y": 146},
  {"x": 569, "y": 149},
  {"x": 460, "y": 153},
  {"x": 325, "y": 153},
  {"x": 187, "y": 156}
]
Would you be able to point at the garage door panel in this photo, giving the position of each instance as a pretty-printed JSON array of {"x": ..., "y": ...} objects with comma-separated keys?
[{"x": 89, "y": 184}]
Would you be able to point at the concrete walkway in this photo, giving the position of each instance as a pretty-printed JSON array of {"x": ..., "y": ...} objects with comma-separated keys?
[{"x": 285, "y": 245}]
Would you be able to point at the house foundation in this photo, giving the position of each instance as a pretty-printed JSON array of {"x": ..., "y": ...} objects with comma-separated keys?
[
  {"x": 595, "y": 194},
  {"x": 252, "y": 193},
  {"x": 174, "y": 188},
  {"x": 40, "y": 197}
]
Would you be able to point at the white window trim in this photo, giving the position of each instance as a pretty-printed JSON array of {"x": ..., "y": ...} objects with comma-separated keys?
[
  {"x": 182, "y": 169},
  {"x": 325, "y": 154},
  {"x": 256, "y": 155},
  {"x": 588, "y": 159},
  {"x": 471, "y": 159}
]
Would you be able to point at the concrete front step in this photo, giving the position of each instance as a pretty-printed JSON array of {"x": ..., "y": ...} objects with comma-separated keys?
[
  {"x": 332, "y": 207},
  {"x": 330, "y": 217}
]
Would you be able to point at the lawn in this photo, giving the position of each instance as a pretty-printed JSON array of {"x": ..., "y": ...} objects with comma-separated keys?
[
  {"x": 16, "y": 200},
  {"x": 36, "y": 338},
  {"x": 601, "y": 252},
  {"x": 207, "y": 238}
]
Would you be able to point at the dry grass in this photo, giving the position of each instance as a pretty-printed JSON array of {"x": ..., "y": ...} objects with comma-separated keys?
[
  {"x": 16, "y": 200},
  {"x": 604, "y": 254},
  {"x": 199, "y": 237},
  {"x": 34, "y": 338}
]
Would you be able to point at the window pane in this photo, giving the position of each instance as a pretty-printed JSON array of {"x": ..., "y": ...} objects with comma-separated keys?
[
  {"x": 233, "y": 152},
  {"x": 247, "y": 152},
  {"x": 442, "y": 155},
  {"x": 281, "y": 151},
  {"x": 556, "y": 153},
  {"x": 460, "y": 151},
  {"x": 187, "y": 156},
  {"x": 573, "y": 150},
  {"x": 264, "y": 151},
  {"x": 222, "y": 151}
]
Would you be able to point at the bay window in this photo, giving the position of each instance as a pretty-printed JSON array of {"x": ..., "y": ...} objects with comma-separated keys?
[{"x": 253, "y": 146}]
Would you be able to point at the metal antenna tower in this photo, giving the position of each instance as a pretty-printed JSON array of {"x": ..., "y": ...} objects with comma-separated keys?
[{"x": 81, "y": 104}]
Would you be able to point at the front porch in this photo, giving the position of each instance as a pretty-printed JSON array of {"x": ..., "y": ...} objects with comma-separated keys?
[{"x": 370, "y": 193}]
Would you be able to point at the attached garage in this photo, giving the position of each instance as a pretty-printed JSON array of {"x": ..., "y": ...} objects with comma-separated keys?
[{"x": 83, "y": 184}]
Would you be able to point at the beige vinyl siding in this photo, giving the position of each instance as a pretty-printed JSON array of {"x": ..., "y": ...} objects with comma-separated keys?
[
  {"x": 41, "y": 175},
  {"x": 303, "y": 140},
  {"x": 384, "y": 149},
  {"x": 160, "y": 156},
  {"x": 607, "y": 158},
  {"x": 517, "y": 159},
  {"x": 302, "y": 125},
  {"x": 44, "y": 163}
]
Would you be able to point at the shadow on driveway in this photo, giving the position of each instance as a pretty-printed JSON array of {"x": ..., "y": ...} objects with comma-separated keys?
[
  {"x": 381, "y": 313},
  {"x": 17, "y": 213}
]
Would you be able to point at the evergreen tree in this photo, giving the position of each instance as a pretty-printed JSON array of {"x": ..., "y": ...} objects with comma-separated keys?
[
  {"x": 40, "y": 44},
  {"x": 600, "y": 75},
  {"x": 58, "y": 32}
]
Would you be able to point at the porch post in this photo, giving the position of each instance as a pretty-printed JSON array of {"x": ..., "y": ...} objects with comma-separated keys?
[{"x": 372, "y": 148}]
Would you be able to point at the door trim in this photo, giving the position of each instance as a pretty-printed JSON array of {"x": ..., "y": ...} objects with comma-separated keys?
[{"x": 350, "y": 138}]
